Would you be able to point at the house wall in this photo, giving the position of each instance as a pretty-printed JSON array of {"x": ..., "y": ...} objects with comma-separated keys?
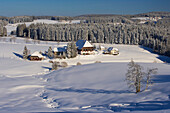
[
  {"x": 35, "y": 58},
  {"x": 86, "y": 51},
  {"x": 114, "y": 52}
]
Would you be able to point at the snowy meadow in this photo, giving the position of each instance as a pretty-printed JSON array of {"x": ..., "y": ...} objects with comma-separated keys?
[{"x": 31, "y": 86}]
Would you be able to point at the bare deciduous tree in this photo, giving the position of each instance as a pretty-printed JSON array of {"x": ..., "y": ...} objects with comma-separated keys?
[
  {"x": 148, "y": 76},
  {"x": 134, "y": 76}
]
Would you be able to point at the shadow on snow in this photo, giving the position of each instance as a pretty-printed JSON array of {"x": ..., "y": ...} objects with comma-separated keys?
[
  {"x": 47, "y": 68},
  {"x": 160, "y": 57},
  {"x": 161, "y": 78},
  {"x": 92, "y": 91},
  {"x": 142, "y": 106},
  {"x": 18, "y": 55}
]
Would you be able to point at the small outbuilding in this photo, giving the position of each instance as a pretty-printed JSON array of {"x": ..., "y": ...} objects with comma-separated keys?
[
  {"x": 60, "y": 50},
  {"x": 101, "y": 48},
  {"x": 36, "y": 56},
  {"x": 111, "y": 51},
  {"x": 84, "y": 47}
]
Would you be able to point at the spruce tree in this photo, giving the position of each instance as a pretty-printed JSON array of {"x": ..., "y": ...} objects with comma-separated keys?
[
  {"x": 25, "y": 53},
  {"x": 50, "y": 52}
]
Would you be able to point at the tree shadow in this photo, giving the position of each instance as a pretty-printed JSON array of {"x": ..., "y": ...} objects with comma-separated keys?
[
  {"x": 142, "y": 106},
  {"x": 18, "y": 55},
  {"x": 160, "y": 57},
  {"x": 161, "y": 78},
  {"x": 92, "y": 91},
  {"x": 66, "y": 112},
  {"x": 164, "y": 58},
  {"x": 47, "y": 68}
]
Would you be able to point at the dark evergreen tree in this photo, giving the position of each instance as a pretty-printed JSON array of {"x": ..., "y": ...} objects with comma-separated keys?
[{"x": 25, "y": 53}]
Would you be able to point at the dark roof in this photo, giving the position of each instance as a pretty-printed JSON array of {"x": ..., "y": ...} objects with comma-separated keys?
[{"x": 83, "y": 43}]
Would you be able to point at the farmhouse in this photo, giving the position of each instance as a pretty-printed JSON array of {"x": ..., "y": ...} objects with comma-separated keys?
[
  {"x": 84, "y": 47},
  {"x": 36, "y": 56}
]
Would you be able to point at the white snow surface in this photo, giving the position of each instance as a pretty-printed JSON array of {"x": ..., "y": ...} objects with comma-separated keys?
[
  {"x": 36, "y": 53},
  {"x": 31, "y": 86},
  {"x": 12, "y": 27}
]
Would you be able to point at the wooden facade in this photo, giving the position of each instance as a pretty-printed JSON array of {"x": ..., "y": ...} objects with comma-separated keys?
[
  {"x": 35, "y": 58},
  {"x": 86, "y": 50},
  {"x": 84, "y": 47}
]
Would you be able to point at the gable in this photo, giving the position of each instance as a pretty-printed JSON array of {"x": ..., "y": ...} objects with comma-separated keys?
[{"x": 83, "y": 43}]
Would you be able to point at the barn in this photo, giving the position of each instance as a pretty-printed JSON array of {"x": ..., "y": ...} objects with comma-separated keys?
[{"x": 84, "y": 47}]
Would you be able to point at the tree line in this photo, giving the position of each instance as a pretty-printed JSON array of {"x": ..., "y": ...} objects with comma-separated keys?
[
  {"x": 3, "y": 30},
  {"x": 146, "y": 35},
  {"x": 19, "y": 19}
]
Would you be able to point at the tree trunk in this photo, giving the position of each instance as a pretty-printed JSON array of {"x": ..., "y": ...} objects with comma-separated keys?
[
  {"x": 147, "y": 85},
  {"x": 138, "y": 85}
]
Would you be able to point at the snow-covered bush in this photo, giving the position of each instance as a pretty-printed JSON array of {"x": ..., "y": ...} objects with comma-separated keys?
[
  {"x": 98, "y": 62},
  {"x": 64, "y": 64},
  {"x": 50, "y": 61},
  {"x": 78, "y": 63},
  {"x": 55, "y": 65}
]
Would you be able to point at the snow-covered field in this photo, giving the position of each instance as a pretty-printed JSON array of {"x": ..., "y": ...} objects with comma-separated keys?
[
  {"x": 27, "y": 86},
  {"x": 12, "y": 27}
]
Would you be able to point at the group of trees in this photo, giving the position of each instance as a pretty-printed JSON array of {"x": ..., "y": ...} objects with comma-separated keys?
[
  {"x": 3, "y": 30},
  {"x": 71, "y": 50},
  {"x": 19, "y": 19},
  {"x": 104, "y": 19},
  {"x": 135, "y": 76}
]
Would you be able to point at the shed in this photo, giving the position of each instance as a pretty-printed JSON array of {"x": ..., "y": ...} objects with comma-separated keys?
[
  {"x": 60, "y": 50},
  {"x": 36, "y": 56},
  {"x": 113, "y": 51}
]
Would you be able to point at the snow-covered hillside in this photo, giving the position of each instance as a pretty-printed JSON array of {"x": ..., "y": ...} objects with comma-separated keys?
[
  {"x": 12, "y": 27},
  {"x": 28, "y": 86},
  {"x": 101, "y": 87}
]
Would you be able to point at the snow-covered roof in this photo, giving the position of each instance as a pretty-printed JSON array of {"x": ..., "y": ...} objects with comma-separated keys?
[
  {"x": 60, "y": 49},
  {"x": 112, "y": 48},
  {"x": 102, "y": 47},
  {"x": 83, "y": 43},
  {"x": 36, "y": 53}
]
